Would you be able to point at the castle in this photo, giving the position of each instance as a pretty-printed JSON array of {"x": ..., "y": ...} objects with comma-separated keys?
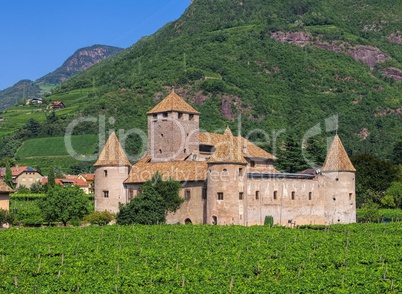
[{"x": 225, "y": 179}]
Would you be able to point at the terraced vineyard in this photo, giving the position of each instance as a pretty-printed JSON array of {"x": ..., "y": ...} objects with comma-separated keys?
[{"x": 359, "y": 258}]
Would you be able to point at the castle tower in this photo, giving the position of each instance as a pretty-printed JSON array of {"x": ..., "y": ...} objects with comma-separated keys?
[
  {"x": 338, "y": 185},
  {"x": 112, "y": 168},
  {"x": 173, "y": 130},
  {"x": 226, "y": 192}
]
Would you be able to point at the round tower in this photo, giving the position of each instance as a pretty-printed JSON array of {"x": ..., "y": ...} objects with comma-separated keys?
[
  {"x": 226, "y": 183},
  {"x": 112, "y": 169}
]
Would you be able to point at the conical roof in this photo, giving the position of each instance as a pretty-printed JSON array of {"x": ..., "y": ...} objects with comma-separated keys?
[
  {"x": 112, "y": 154},
  {"x": 337, "y": 159},
  {"x": 4, "y": 187},
  {"x": 228, "y": 150},
  {"x": 173, "y": 102}
]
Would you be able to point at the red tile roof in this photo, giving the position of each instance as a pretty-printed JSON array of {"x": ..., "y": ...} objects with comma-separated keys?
[{"x": 173, "y": 102}]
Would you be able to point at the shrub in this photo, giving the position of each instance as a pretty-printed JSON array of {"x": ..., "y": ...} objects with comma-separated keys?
[
  {"x": 269, "y": 220},
  {"x": 100, "y": 218}
]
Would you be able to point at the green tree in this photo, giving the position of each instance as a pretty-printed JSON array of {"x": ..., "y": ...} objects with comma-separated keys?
[
  {"x": 397, "y": 152},
  {"x": 158, "y": 197},
  {"x": 395, "y": 192},
  {"x": 51, "y": 178},
  {"x": 290, "y": 157},
  {"x": 8, "y": 177},
  {"x": 372, "y": 174},
  {"x": 370, "y": 212},
  {"x": 64, "y": 204}
]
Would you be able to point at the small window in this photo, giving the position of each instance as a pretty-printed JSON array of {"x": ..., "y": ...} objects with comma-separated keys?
[
  {"x": 165, "y": 114},
  {"x": 130, "y": 194},
  {"x": 187, "y": 195},
  {"x": 275, "y": 195},
  {"x": 225, "y": 170},
  {"x": 257, "y": 195},
  {"x": 204, "y": 193},
  {"x": 160, "y": 151},
  {"x": 252, "y": 163},
  {"x": 220, "y": 195},
  {"x": 350, "y": 196},
  {"x": 105, "y": 194},
  {"x": 310, "y": 195},
  {"x": 190, "y": 116},
  {"x": 105, "y": 173},
  {"x": 155, "y": 116},
  {"x": 240, "y": 195},
  {"x": 162, "y": 135},
  {"x": 195, "y": 157},
  {"x": 240, "y": 172},
  {"x": 180, "y": 115},
  {"x": 293, "y": 195},
  {"x": 185, "y": 150}
]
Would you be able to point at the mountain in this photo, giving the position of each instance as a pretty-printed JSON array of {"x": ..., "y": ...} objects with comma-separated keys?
[
  {"x": 79, "y": 61},
  {"x": 23, "y": 89},
  {"x": 282, "y": 68}
]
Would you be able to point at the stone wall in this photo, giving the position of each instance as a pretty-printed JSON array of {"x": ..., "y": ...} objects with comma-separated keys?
[{"x": 5, "y": 201}]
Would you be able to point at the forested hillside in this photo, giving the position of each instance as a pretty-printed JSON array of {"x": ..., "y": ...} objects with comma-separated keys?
[{"x": 272, "y": 64}]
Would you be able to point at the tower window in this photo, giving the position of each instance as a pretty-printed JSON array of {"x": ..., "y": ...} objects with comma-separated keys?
[
  {"x": 185, "y": 150},
  {"x": 162, "y": 135},
  {"x": 155, "y": 116},
  {"x": 240, "y": 195},
  {"x": 187, "y": 195},
  {"x": 275, "y": 195},
  {"x": 252, "y": 163},
  {"x": 105, "y": 173},
  {"x": 204, "y": 193},
  {"x": 240, "y": 172},
  {"x": 165, "y": 114},
  {"x": 160, "y": 151},
  {"x": 257, "y": 195},
  {"x": 350, "y": 196},
  {"x": 293, "y": 195},
  {"x": 220, "y": 195},
  {"x": 105, "y": 194},
  {"x": 180, "y": 115},
  {"x": 310, "y": 194},
  {"x": 190, "y": 116}
]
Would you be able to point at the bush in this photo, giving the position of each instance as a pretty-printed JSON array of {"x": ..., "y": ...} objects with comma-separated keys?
[
  {"x": 269, "y": 220},
  {"x": 100, "y": 218},
  {"x": 5, "y": 217}
]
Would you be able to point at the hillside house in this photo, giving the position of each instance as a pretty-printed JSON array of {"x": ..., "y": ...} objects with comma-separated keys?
[
  {"x": 225, "y": 179},
  {"x": 22, "y": 176},
  {"x": 90, "y": 179},
  {"x": 56, "y": 105}
]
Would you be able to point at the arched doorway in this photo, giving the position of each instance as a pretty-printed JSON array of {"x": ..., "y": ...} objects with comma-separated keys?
[
  {"x": 214, "y": 220},
  {"x": 188, "y": 221}
]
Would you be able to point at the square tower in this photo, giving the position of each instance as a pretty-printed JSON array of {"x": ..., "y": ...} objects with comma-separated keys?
[{"x": 173, "y": 130}]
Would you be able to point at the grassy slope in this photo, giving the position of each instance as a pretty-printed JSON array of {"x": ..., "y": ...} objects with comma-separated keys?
[{"x": 358, "y": 258}]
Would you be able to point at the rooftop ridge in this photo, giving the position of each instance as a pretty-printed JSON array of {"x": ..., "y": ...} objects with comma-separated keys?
[
  {"x": 337, "y": 159},
  {"x": 112, "y": 153},
  {"x": 173, "y": 102}
]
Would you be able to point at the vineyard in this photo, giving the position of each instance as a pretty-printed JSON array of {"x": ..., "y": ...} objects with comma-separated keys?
[{"x": 358, "y": 258}]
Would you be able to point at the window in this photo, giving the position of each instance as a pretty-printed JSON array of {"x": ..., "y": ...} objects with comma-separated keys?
[
  {"x": 310, "y": 194},
  {"x": 130, "y": 194},
  {"x": 275, "y": 195},
  {"x": 190, "y": 116},
  {"x": 105, "y": 173},
  {"x": 187, "y": 195},
  {"x": 165, "y": 114},
  {"x": 155, "y": 116},
  {"x": 252, "y": 163},
  {"x": 185, "y": 150},
  {"x": 204, "y": 193},
  {"x": 240, "y": 195},
  {"x": 240, "y": 172},
  {"x": 257, "y": 195},
  {"x": 160, "y": 151},
  {"x": 350, "y": 196},
  {"x": 220, "y": 195},
  {"x": 293, "y": 195},
  {"x": 225, "y": 170},
  {"x": 105, "y": 194},
  {"x": 162, "y": 135},
  {"x": 180, "y": 115}
]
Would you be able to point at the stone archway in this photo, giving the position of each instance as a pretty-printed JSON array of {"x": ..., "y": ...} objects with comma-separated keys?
[{"x": 188, "y": 221}]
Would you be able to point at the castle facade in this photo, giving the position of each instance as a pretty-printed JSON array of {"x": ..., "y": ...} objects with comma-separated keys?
[{"x": 225, "y": 179}]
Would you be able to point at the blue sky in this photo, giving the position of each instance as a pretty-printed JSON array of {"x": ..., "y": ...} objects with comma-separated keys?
[{"x": 36, "y": 37}]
